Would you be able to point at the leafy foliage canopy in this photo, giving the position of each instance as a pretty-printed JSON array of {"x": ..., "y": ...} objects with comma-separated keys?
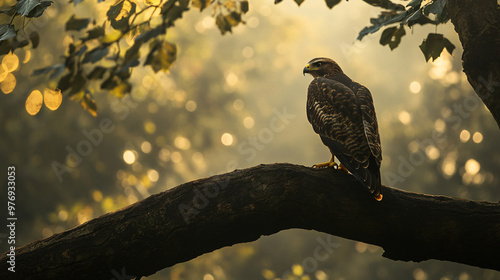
[{"x": 103, "y": 57}]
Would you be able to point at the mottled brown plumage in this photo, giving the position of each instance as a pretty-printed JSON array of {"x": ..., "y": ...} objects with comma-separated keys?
[{"x": 341, "y": 111}]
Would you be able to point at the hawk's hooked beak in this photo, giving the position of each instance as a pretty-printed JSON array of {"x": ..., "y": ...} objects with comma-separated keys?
[{"x": 306, "y": 69}]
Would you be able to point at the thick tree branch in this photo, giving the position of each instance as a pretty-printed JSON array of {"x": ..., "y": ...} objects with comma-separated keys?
[
  {"x": 477, "y": 23},
  {"x": 207, "y": 214}
]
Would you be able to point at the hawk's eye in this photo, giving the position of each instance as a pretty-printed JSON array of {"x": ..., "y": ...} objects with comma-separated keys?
[{"x": 318, "y": 64}]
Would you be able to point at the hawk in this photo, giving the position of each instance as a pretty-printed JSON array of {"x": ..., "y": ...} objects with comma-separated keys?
[{"x": 341, "y": 111}]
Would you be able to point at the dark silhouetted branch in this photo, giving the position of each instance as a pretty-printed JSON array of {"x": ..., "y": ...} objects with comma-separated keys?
[{"x": 207, "y": 214}]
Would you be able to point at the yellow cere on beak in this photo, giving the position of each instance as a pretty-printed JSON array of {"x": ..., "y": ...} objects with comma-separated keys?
[{"x": 306, "y": 69}]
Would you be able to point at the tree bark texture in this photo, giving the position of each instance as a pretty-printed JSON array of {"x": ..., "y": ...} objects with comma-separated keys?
[
  {"x": 477, "y": 23},
  {"x": 207, "y": 214}
]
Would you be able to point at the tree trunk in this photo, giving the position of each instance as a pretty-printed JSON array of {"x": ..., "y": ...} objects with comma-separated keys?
[
  {"x": 477, "y": 23},
  {"x": 207, "y": 214}
]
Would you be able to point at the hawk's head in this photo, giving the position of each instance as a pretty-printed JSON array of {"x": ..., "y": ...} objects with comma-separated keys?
[{"x": 321, "y": 67}]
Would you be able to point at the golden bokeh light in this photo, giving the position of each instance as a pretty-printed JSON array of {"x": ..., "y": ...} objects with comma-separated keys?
[
  {"x": 232, "y": 79},
  {"x": 176, "y": 157},
  {"x": 182, "y": 143},
  {"x": 164, "y": 154},
  {"x": 226, "y": 139},
  {"x": 432, "y": 152},
  {"x": 153, "y": 108},
  {"x": 97, "y": 195},
  {"x": 129, "y": 157},
  {"x": 146, "y": 147},
  {"x": 297, "y": 270},
  {"x": 464, "y": 136},
  {"x": 27, "y": 56},
  {"x": 472, "y": 167},
  {"x": 153, "y": 175},
  {"x": 248, "y": 52},
  {"x": 34, "y": 102},
  {"x": 448, "y": 167},
  {"x": 415, "y": 87},
  {"x": 248, "y": 122},
  {"x": 11, "y": 62},
  {"x": 108, "y": 204},
  {"x": 419, "y": 274},
  {"x": 85, "y": 214},
  {"x": 63, "y": 215},
  {"x": 8, "y": 84},
  {"x": 268, "y": 274},
  {"x": 404, "y": 117},
  {"x": 149, "y": 127},
  {"x": 361, "y": 247},
  {"x": 238, "y": 105},
  {"x": 477, "y": 137},
  {"x": 191, "y": 106},
  {"x": 208, "y": 277},
  {"x": 253, "y": 22},
  {"x": 3, "y": 72},
  {"x": 439, "y": 125},
  {"x": 52, "y": 98}
]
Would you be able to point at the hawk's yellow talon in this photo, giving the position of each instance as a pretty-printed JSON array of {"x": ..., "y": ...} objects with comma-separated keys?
[
  {"x": 342, "y": 168},
  {"x": 379, "y": 197},
  {"x": 331, "y": 163}
]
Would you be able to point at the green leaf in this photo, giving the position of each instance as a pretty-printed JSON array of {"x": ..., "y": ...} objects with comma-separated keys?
[
  {"x": 95, "y": 54},
  {"x": 77, "y": 23},
  {"x": 436, "y": 7},
  {"x": 223, "y": 24},
  {"x": 88, "y": 103},
  {"x": 121, "y": 24},
  {"x": 386, "y": 36},
  {"x": 97, "y": 73},
  {"x": 332, "y": 3},
  {"x": 35, "y": 39},
  {"x": 54, "y": 70},
  {"x": 434, "y": 45},
  {"x": 244, "y": 6},
  {"x": 110, "y": 83},
  {"x": 414, "y": 3},
  {"x": 32, "y": 8},
  {"x": 24, "y": 7},
  {"x": 392, "y": 36},
  {"x": 161, "y": 56},
  {"x": 10, "y": 12},
  {"x": 386, "y": 4},
  {"x": 78, "y": 83},
  {"x": 65, "y": 82},
  {"x": 95, "y": 33},
  {"x": 172, "y": 10},
  {"x": 132, "y": 52},
  {"x": 114, "y": 10},
  {"x": 7, "y": 32},
  {"x": 385, "y": 18},
  {"x": 201, "y": 4},
  {"x": 146, "y": 36},
  {"x": 233, "y": 18},
  {"x": 299, "y": 2}
]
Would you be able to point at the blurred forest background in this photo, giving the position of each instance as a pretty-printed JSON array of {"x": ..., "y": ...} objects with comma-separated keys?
[{"x": 212, "y": 113}]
